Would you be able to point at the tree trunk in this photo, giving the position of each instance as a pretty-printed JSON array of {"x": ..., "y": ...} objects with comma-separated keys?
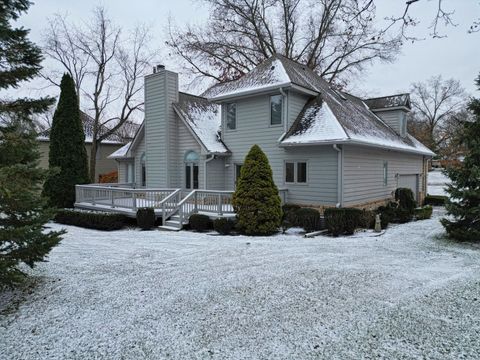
[{"x": 93, "y": 160}]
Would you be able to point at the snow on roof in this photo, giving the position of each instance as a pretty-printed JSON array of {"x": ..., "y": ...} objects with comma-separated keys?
[
  {"x": 316, "y": 123},
  {"x": 391, "y": 101},
  {"x": 87, "y": 122},
  {"x": 204, "y": 119},
  {"x": 120, "y": 153},
  {"x": 270, "y": 73}
]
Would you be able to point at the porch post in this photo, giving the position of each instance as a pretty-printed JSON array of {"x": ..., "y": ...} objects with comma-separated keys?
[
  {"x": 219, "y": 205},
  {"x": 134, "y": 201}
]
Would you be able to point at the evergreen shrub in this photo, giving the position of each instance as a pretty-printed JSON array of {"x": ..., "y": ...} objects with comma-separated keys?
[
  {"x": 91, "y": 220},
  {"x": 146, "y": 218},
  {"x": 199, "y": 222},
  {"x": 224, "y": 226}
]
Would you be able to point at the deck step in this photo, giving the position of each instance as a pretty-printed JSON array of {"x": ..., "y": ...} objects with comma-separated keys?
[
  {"x": 174, "y": 217},
  {"x": 169, "y": 228},
  {"x": 173, "y": 223}
]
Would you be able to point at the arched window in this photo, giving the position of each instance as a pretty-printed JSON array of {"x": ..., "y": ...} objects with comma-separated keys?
[
  {"x": 144, "y": 171},
  {"x": 191, "y": 170}
]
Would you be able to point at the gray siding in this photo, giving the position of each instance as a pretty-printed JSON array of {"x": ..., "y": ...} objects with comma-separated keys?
[
  {"x": 253, "y": 127},
  {"x": 394, "y": 119},
  {"x": 216, "y": 174},
  {"x": 122, "y": 171},
  {"x": 139, "y": 150},
  {"x": 363, "y": 173},
  {"x": 296, "y": 102},
  {"x": 161, "y": 89},
  {"x": 185, "y": 143}
]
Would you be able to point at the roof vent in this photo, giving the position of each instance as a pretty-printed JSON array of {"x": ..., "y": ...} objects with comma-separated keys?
[{"x": 273, "y": 67}]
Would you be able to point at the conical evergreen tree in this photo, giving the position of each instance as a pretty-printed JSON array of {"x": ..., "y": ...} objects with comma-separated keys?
[
  {"x": 464, "y": 190},
  {"x": 23, "y": 236},
  {"x": 256, "y": 200},
  {"x": 67, "y": 149}
]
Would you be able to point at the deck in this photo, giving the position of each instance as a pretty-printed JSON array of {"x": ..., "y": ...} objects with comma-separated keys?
[{"x": 174, "y": 206}]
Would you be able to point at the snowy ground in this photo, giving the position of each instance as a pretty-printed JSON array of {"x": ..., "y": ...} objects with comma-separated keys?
[
  {"x": 436, "y": 182},
  {"x": 156, "y": 295}
]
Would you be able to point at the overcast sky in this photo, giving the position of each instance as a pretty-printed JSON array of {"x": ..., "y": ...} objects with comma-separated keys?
[{"x": 456, "y": 56}]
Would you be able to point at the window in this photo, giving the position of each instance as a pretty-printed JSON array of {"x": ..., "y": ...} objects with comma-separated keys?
[
  {"x": 385, "y": 173},
  {"x": 231, "y": 116},
  {"x": 276, "y": 102},
  {"x": 191, "y": 170},
  {"x": 238, "y": 170},
  {"x": 289, "y": 172},
  {"x": 302, "y": 172},
  {"x": 296, "y": 172},
  {"x": 130, "y": 173}
]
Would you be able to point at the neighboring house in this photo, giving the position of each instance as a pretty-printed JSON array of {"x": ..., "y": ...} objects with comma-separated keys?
[
  {"x": 326, "y": 147},
  {"x": 104, "y": 164}
]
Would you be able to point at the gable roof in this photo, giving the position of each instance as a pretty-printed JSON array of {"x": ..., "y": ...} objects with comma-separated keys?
[
  {"x": 334, "y": 117},
  {"x": 88, "y": 123},
  {"x": 121, "y": 153},
  {"x": 203, "y": 119}
]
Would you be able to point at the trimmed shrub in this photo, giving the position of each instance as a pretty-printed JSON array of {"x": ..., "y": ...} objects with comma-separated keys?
[
  {"x": 367, "y": 219},
  {"x": 435, "y": 200},
  {"x": 224, "y": 226},
  {"x": 343, "y": 220},
  {"x": 405, "y": 199},
  {"x": 199, "y": 222},
  {"x": 290, "y": 217},
  {"x": 387, "y": 214},
  {"x": 308, "y": 219},
  {"x": 424, "y": 213},
  {"x": 256, "y": 200},
  {"x": 91, "y": 220},
  {"x": 146, "y": 218}
]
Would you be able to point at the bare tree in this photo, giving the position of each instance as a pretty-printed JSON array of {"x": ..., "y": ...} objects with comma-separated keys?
[
  {"x": 436, "y": 103},
  {"x": 110, "y": 68},
  {"x": 336, "y": 38}
]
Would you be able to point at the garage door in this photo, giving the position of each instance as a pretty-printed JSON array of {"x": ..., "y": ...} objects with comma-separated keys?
[{"x": 410, "y": 182}]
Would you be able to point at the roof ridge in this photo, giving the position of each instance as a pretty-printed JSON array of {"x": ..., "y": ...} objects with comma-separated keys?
[{"x": 383, "y": 97}]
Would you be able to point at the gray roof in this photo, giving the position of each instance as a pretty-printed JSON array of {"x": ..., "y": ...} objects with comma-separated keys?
[
  {"x": 203, "y": 118},
  {"x": 360, "y": 125},
  {"x": 386, "y": 102}
]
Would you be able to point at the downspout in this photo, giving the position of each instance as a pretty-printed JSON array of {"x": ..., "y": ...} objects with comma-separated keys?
[
  {"x": 339, "y": 176},
  {"x": 207, "y": 160}
]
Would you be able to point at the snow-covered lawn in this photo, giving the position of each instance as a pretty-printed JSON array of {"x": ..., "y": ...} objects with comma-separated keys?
[
  {"x": 159, "y": 295},
  {"x": 436, "y": 182}
]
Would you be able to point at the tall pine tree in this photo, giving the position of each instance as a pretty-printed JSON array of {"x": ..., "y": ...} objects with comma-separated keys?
[
  {"x": 464, "y": 190},
  {"x": 256, "y": 200},
  {"x": 23, "y": 235},
  {"x": 67, "y": 149}
]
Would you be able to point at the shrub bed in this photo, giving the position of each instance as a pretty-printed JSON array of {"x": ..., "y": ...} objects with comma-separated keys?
[
  {"x": 199, "y": 222},
  {"x": 146, "y": 218},
  {"x": 424, "y": 213},
  {"x": 308, "y": 219},
  {"x": 343, "y": 220},
  {"x": 289, "y": 216},
  {"x": 91, "y": 220},
  {"x": 435, "y": 200},
  {"x": 224, "y": 226}
]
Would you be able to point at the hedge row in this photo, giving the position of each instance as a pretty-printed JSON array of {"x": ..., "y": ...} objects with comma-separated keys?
[
  {"x": 424, "y": 213},
  {"x": 435, "y": 200},
  {"x": 91, "y": 220}
]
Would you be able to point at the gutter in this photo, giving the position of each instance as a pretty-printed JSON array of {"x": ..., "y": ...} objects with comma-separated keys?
[
  {"x": 359, "y": 143},
  {"x": 339, "y": 175},
  {"x": 284, "y": 113}
]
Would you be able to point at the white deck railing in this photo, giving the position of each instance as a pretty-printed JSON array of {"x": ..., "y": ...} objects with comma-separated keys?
[
  {"x": 167, "y": 201},
  {"x": 102, "y": 196}
]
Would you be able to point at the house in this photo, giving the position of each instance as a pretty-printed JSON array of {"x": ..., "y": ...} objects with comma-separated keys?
[
  {"x": 104, "y": 164},
  {"x": 326, "y": 147}
]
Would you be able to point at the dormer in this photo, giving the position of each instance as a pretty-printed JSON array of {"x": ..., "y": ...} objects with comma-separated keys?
[{"x": 392, "y": 110}]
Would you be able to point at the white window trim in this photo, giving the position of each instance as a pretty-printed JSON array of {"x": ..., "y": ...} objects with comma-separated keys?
[
  {"x": 225, "y": 116},
  {"x": 270, "y": 111},
  {"x": 295, "y": 172}
]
